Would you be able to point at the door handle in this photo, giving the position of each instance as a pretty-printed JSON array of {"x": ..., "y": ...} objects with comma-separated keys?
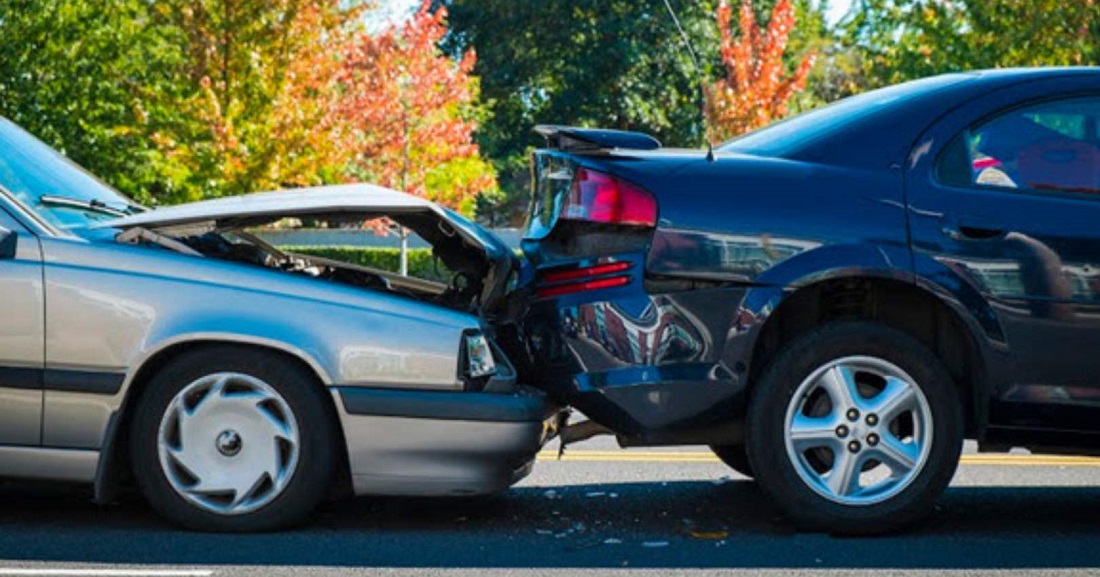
[{"x": 971, "y": 233}]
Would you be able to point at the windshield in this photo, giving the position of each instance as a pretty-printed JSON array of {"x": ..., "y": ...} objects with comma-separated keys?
[
  {"x": 788, "y": 135},
  {"x": 30, "y": 170}
]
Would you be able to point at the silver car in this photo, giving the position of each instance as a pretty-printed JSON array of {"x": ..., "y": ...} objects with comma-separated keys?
[{"x": 237, "y": 384}]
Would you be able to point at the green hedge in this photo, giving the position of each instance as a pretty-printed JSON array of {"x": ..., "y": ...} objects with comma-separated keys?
[{"x": 421, "y": 263}]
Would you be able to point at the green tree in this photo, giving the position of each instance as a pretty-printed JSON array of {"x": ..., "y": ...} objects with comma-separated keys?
[
  {"x": 905, "y": 39},
  {"x": 84, "y": 79},
  {"x": 608, "y": 63},
  {"x": 178, "y": 100},
  {"x": 254, "y": 92}
]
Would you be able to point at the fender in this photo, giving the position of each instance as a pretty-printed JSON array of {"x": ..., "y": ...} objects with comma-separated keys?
[
  {"x": 830, "y": 262},
  {"x": 107, "y": 481},
  {"x": 762, "y": 300}
]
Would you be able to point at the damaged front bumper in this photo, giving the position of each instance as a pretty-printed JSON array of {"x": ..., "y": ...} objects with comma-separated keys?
[{"x": 428, "y": 443}]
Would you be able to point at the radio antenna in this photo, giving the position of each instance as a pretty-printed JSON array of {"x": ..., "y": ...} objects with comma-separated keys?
[{"x": 698, "y": 73}]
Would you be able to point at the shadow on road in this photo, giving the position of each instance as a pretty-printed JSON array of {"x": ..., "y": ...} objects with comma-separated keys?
[{"x": 675, "y": 524}]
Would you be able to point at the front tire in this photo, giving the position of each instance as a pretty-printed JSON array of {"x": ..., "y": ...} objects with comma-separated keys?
[
  {"x": 855, "y": 428},
  {"x": 233, "y": 439}
]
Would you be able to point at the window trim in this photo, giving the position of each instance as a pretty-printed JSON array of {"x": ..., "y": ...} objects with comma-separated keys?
[{"x": 27, "y": 218}]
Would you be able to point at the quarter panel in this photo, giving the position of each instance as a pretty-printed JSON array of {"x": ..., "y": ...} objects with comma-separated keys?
[{"x": 741, "y": 219}]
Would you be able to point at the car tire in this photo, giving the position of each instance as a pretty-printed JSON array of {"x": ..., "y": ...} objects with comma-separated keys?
[
  {"x": 813, "y": 456},
  {"x": 234, "y": 439},
  {"x": 735, "y": 457}
]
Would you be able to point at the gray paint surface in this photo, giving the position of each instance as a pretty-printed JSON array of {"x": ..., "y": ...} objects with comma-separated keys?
[
  {"x": 363, "y": 238},
  {"x": 105, "y": 308}
]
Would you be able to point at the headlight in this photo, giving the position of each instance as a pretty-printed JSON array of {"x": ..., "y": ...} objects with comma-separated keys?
[{"x": 479, "y": 357}]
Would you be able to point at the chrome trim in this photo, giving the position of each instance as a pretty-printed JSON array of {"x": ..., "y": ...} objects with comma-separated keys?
[{"x": 27, "y": 216}]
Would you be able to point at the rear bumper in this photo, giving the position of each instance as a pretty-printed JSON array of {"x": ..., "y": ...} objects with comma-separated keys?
[
  {"x": 426, "y": 443},
  {"x": 654, "y": 368}
]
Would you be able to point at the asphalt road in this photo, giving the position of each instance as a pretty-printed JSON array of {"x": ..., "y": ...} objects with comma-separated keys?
[{"x": 601, "y": 511}]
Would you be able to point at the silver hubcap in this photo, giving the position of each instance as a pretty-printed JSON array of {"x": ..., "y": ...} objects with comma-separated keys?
[
  {"x": 858, "y": 430},
  {"x": 228, "y": 443}
]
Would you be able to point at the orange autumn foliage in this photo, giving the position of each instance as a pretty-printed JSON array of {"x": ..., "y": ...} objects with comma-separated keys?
[
  {"x": 410, "y": 110},
  {"x": 756, "y": 87}
]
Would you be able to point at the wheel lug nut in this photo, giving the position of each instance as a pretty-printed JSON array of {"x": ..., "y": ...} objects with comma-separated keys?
[
  {"x": 854, "y": 446},
  {"x": 872, "y": 419},
  {"x": 842, "y": 431},
  {"x": 872, "y": 439},
  {"x": 853, "y": 415}
]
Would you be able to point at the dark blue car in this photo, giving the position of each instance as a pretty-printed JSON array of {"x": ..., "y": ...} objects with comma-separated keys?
[{"x": 834, "y": 302}]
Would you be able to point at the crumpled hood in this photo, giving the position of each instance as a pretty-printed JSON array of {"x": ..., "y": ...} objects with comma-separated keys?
[
  {"x": 355, "y": 198},
  {"x": 264, "y": 207},
  {"x": 457, "y": 245}
]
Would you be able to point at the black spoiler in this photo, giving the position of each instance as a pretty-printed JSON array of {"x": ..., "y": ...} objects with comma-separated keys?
[{"x": 575, "y": 139}]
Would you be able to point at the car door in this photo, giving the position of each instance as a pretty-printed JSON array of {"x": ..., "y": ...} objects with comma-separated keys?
[
  {"x": 22, "y": 338},
  {"x": 1005, "y": 192}
]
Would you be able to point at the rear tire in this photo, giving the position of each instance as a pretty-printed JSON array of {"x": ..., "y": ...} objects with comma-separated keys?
[
  {"x": 735, "y": 457},
  {"x": 855, "y": 428},
  {"x": 233, "y": 439}
]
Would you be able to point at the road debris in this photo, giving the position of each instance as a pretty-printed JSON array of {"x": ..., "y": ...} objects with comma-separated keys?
[{"x": 710, "y": 534}]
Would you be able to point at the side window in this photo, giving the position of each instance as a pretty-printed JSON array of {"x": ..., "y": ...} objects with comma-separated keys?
[{"x": 1049, "y": 147}]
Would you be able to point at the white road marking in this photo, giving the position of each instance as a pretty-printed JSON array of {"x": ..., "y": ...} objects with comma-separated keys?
[{"x": 104, "y": 573}]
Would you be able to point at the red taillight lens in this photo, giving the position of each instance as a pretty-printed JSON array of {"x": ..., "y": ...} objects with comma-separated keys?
[
  {"x": 575, "y": 280},
  {"x": 553, "y": 277},
  {"x": 557, "y": 291},
  {"x": 598, "y": 197}
]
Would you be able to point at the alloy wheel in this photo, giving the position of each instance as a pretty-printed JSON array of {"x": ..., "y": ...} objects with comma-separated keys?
[{"x": 858, "y": 430}]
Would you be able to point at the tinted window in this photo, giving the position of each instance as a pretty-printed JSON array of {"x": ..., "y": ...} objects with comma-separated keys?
[{"x": 1048, "y": 147}]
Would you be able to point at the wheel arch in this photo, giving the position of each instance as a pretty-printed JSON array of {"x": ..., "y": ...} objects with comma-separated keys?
[
  {"x": 950, "y": 333},
  {"x": 113, "y": 470}
]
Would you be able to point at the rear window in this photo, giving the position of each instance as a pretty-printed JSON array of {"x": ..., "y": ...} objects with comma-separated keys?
[{"x": 789, "y": 135}]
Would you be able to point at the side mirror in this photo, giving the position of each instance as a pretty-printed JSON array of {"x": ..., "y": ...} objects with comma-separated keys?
[{"x": 8, "y": 243}]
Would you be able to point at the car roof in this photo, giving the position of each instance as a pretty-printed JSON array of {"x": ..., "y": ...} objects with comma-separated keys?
[{"x": 876, "y": 128}]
